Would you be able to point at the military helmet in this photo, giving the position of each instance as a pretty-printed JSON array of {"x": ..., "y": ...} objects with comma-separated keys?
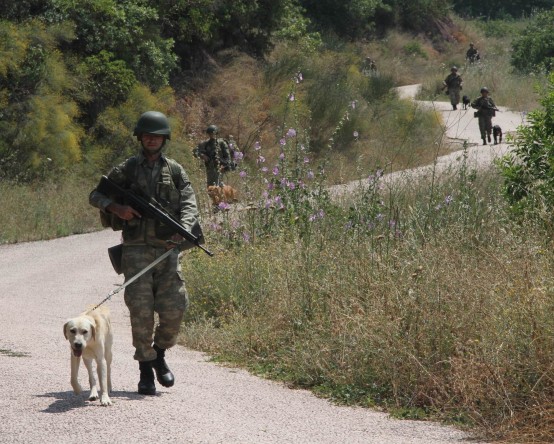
[
  {"x": 454, "y": 68},
  {"x": 484, "y": 89},
  {"x": 153, "y": 122},
  {"x": 212, "y": 129},
  {"x": 471, "y": 44}
]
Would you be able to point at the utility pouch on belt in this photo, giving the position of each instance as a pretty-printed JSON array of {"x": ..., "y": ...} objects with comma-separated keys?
[{"x": 116, "y": 253}]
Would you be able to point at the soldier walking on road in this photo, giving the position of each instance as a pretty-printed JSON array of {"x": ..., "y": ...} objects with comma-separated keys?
[
  {"x": 486, "y": 110},
  {"x": 453, "y": 84},
  {"x": 216, "y": 156},
  {"x": 154, "y": 176}
]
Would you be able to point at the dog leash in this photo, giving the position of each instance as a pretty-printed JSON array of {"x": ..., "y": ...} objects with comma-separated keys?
[{"x": 135, "y": 277}]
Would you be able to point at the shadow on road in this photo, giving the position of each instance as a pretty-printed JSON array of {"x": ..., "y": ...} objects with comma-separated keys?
[{"x": 67, "y": 401}]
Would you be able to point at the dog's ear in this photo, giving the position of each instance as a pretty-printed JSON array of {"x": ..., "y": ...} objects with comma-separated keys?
[{"x": 65, "y": 329}]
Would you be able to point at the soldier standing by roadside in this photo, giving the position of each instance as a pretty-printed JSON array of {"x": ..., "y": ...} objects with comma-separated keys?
[
  {"x": 216, "y": 156},
  {"x": 162, "y": 289},
  {"x": 485, "y": 112},
  {"x": 453, "y": 84}
]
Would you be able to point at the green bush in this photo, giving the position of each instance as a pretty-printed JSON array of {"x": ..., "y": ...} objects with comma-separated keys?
[
  {"x": 415, "y": 49},
  {"x": 533, "y": 50},
  {"x": 528, "y": 170}
]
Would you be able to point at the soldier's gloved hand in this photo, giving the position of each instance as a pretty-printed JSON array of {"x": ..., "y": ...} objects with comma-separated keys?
[
  {"x": 175, "y": 241},
  {"x": 124, "y": 212}
]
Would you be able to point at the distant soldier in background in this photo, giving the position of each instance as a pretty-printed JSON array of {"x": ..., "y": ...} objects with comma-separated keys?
[
  {"x": 216, "y": 156},
  {"x": 369, "y": 67},
  {"x": 453, "y": 84},
  {"x": 472, "y": 55},
  {"x": 486, "y": 110}
]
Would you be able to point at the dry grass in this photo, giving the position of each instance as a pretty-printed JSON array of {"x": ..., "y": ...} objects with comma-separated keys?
[
  {"x": 46, "y": 210},
  {"x": 447, "y": 317}
]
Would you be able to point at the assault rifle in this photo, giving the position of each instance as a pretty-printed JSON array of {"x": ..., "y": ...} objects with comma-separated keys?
[{"x": 148, "y": 209}]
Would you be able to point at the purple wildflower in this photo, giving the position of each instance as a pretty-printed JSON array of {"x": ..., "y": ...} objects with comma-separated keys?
[
  {"x": 275, "y": 170},
  {"x": 257, "y": 146},
  {"x": 261, "y": 159},
  {"x": 265, "y": 169},
  {"x": 283, "y": 141},
  {"x": 291, "y": 132},
  {"x": 448, "y": 200},
  {"x": 306, "y": 160},
  {"x": 291, "y": 97},
  {"x": 310, "y": 174},
  {"x": 245, "y": 237},
  {"x": 224, "y": 206},
  {"x": 282, "y": 156},
  {"x": 215, "y": 226},
  {"x": 243, "y": 174}
]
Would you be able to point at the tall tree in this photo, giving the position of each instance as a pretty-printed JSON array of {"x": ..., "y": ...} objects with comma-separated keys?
[{"x": 493, "y": 9}]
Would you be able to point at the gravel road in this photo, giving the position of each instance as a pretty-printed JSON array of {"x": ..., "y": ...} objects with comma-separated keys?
[
  {"x": 459, "y": 127},
  {"x": 44, "y": 283}
]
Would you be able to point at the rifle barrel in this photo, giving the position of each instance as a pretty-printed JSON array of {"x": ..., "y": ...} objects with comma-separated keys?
[{"x": 148, "y": 209}]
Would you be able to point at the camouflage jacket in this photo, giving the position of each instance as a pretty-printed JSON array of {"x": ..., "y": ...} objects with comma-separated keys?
[
  {"x": 453, "y": 81},
  {"x": 217, "y": 151},
  {"x": 484, "y": 105},
  {"x": 167, "y": 183}
]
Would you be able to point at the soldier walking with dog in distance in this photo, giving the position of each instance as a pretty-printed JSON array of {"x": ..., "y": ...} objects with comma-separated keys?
[
  {"x": 486, "y": 110},
  {"x": 157, "y": 178},
  {"x": 453, "y": 84},
  {"x": 216, "y": 155}
]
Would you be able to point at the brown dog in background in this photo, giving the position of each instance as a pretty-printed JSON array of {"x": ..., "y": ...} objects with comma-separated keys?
[{"x": 226, "y": 194}]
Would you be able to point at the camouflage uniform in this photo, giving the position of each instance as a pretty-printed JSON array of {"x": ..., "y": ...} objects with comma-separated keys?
[
  {"x": 472, "y": 55},
  {"x": 454, "y": 84},
  {"x": 161, "y": 289},
  {"x": 219, "y": 155},
  {"x": 485, "y": 112}
]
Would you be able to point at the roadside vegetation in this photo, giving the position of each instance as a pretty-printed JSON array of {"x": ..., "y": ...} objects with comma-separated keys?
[{"x": 430, "y": 298}]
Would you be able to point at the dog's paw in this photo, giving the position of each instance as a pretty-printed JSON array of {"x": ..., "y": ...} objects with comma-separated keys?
[
  {"x": 93, "y": 396},
  {"x": 105, "y": 400},
  {"x": 77, "y": 389}
]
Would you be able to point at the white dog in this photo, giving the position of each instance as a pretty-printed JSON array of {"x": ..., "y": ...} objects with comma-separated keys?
[{"x": 90, "y": 335}]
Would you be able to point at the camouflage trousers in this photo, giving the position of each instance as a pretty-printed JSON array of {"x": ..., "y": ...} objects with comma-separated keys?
[
  {"x": 485, "y": 126},
  {"x": 214, "y": 176},
  {"x": 161, "y": 290},
  {"x": 454, "y": 94}
]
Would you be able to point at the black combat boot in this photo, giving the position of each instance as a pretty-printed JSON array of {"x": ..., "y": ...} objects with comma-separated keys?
[
  {"x": 489, "y": 138},
  {"x": 163, "y": 374},
  {"x": 454, "y": 107},
  {"x": 146, "y": 384},
  {"x": 484, "y": 141}
]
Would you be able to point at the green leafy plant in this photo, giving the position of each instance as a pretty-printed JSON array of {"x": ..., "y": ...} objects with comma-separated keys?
[{"x": 528, "y": 169}]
